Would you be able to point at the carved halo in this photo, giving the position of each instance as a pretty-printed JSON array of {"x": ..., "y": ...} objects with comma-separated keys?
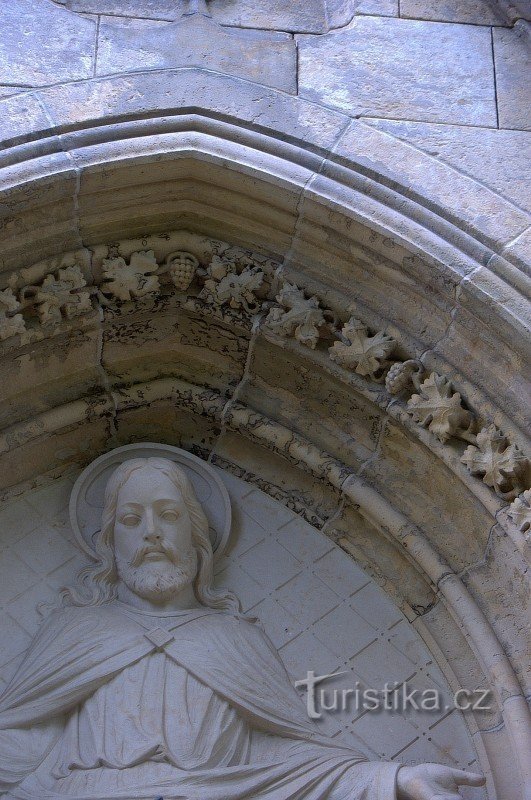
[{"x": 86, "y": 500}]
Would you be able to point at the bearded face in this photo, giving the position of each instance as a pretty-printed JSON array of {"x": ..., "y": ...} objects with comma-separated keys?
[
  {"x": 154, "y": 553},
  {"x": 160, "y": 579}
]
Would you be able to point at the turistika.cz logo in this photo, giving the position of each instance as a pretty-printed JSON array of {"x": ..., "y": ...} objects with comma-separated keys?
[{"x": 394, "y": 696}]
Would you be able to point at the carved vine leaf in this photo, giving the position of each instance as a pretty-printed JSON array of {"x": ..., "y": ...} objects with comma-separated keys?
[
  {"x": 361, "y": 351},
  {"x": 130, "y": 281},
  {"x": 298, "y": 316},
  {"x": 439, "y": 408},
  {"x": 499, "y": 463},
  {"x": 520, "y": 512},
  {"x": 236, "y": 291},
  {"x": 11, "y": 323},
  {"x": 59, "y": 296}
]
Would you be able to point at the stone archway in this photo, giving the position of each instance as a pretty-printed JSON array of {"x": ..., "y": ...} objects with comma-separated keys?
[{"x": 310, "y": 200}]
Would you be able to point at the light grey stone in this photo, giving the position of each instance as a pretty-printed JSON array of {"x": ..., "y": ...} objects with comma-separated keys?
[
  {"x": 197, "y": 41},
  {"x": 303, "y": 16},
  {"x": 498, "y": 158},
  {"x": 42, "y": 43},
  {"x": 402, "y": 69},
  {"x": 378, "y": 8},
  {"x": 512, "y": 58},
  {"x": 21, "y": 117},
  {"x": 150, "y": 9},
  {"x": 300, "y": 16},
  {"x": 339, "y": 12},
  {"x": 477, "y": 208},
  {"x": 164, "y": 92},
  {"x": 9, "y": 91},
  {"x": 477, "y": 12}
]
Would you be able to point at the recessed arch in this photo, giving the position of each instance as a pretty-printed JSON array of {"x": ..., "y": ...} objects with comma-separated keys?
[{"x": 344, "y": 215}]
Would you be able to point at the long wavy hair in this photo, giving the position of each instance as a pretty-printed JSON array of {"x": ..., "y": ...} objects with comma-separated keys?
[{"x": 97, "y": 583}]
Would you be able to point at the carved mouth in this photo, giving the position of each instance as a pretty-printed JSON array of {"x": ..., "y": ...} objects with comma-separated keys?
[{"x": 155, "y": 555}]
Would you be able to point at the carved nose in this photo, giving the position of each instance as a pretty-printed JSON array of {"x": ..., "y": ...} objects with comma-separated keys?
[{"x": 151, "y": 531}]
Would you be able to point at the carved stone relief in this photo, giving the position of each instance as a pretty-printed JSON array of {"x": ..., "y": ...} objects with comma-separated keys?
[
  {"x": 237, "y": 285},
  {"x": 202, "y": 639}
]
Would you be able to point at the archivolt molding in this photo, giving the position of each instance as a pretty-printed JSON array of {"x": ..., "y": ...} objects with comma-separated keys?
[
  {"x": 304, "y": 455},
  {"x": 249, "y": 290}
]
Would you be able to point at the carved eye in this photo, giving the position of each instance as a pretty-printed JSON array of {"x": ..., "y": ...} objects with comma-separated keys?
[
  {"x": 130, "y": 520},
  {"x": 169, "y": 515}
]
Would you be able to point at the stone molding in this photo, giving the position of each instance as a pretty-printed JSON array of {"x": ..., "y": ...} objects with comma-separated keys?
[
  {"x": 245, "y": 288},
  {"x": 305, "y": 456}
]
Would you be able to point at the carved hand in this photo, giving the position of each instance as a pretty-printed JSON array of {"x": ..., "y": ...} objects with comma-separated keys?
[{"x": 434, "y": 782}]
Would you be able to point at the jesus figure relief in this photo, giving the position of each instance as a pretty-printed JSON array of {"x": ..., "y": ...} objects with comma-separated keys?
[{"x": 150, "y": 684}]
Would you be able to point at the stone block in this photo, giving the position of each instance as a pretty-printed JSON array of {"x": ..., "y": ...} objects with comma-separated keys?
[
  {"x": 149, "y": 9},
  {"x": 512, "y": 60},
  {"x": 164, "y": 422},
  {"x": 197, "y": 41},
  {"x": 167, "y": 341},
  {"x": 42, "y": 43},
  {"x": 497, "y": 158},
  {"x": 49, "y": 373},
  {"x": 402, "y": 69},
  {"x": 311, "y": 402},
  {"x": 377, "y": 8},
  {"x": 298, "y": 15},
  {"x": 476, "y": 12},
  {"x": 437, "y": 188},
  {"x": 184, "y": 91},
  {"x": 431, "y": 496}
]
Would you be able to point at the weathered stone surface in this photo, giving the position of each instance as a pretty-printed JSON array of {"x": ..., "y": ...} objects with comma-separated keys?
[
  {"x": 308, "y": 16},
  {"x": 48, "y": 374},
  {"x": 168, "y": 341},
  {"x": 298, "y": 15},
  {"x": 195, "y": 41},
  {"x": 43, "y": 44},
  {"x": 21, "y": 117},
  {"x": 512, "y": 49},
  {"x": 498, "y": 158},
  {"x": 477, "y": 12},
  {"x": 435, "y": 499},
  {"x": 449, "y": 190},
  {"x": 187, "y": 90},
  {"x": 503, "y": 574},
  {"x": 377, "y": 8},
  {"x": 299, "y": 395},
  {"x": 150, "y": 9},
  {"x": 402, "y": 69}
]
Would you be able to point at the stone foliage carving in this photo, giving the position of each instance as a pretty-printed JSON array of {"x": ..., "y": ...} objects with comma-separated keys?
[
  {"x": 237, "y": 286},
  {"x": 360, "y": 351},
  {"x": 62, "y": 295},
  {"x": 129, "y": 281},
  {"x": 498, "y": 463},
  {"x": 520, "y": 512},
  {"x": 11, "y": 323},
  {"x": 225, "y": 286},
  {"x": 438, "y": 408},
  {"x": 296, "y": 315}
]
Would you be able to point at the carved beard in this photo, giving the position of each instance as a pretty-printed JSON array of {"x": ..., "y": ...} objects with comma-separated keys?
[{"x": 158, "y": 581}]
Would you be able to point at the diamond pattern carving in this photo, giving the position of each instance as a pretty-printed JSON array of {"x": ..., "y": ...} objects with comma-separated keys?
[{"x": 319, "y": 608}]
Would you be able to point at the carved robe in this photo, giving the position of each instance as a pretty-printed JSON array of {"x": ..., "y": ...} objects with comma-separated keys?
[{"x": 195, "y": 705}]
